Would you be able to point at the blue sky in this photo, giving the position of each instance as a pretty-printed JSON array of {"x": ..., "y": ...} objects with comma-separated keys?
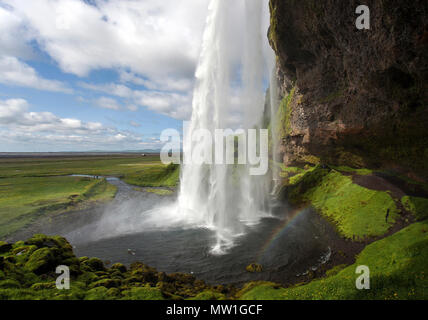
[{"x": 96, "y": 75}]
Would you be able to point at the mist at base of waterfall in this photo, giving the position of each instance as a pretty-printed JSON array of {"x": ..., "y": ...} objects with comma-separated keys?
[
  {"x": 136, "y": 212},
  {"x": 301, "y": 248}
]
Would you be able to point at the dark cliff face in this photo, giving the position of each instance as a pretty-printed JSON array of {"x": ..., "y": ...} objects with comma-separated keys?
[{"x": 360, "y": 96}]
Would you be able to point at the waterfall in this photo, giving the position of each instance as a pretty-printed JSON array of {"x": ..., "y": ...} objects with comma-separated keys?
[{"x": 228, "y": 93}]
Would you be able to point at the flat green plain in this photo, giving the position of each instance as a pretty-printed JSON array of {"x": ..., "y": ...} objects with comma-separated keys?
[{"x": 31, "y": 186}]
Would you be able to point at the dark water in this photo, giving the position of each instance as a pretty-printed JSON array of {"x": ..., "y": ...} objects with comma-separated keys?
[
  {"x": 286, "y": 245},
  {"x": 300, "y": 246}
]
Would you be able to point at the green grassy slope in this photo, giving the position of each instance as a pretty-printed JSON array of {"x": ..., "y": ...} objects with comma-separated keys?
[
  {"x": 398, "y": 267},
  {"x": 23, "y": 199},
  {"x": 397, "y": 263},
  {"x": 357, "y": 212}
]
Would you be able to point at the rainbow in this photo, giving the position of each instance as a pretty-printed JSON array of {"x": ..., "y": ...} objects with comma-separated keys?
[{"x": 280, "y": 230}]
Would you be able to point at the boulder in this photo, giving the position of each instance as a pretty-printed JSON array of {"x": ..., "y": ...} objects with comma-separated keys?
[
  {"x": 254, "y": 267},
  {"x": 5, "y": 247}
]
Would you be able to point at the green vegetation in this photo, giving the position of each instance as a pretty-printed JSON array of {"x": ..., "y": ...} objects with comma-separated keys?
[
  {"x": 111, "y": 165},
  {"x": 24, "y": 199},
  {"x": 417, "y": 206},
  {"x": 283, "y": 116},
  {"x": 209, "y": 295},
  {"x": 254, "y": 267},
  {"x": 142, "y": 171},
  {"x": 397, "y": 271},
  {"x": 27, "y": 271},
  {"x": 361, "y": 172},
  {"x": 155, "y": 176},
  {"x": 357, "y": 212},
  {"x": 31, "y": 187},
  {"x": 161, "y": 192}
]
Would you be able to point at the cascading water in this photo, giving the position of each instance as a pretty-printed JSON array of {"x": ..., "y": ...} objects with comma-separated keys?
[
  {"x": 226, "y": 198},
  {"x": 231, "y": 80}
]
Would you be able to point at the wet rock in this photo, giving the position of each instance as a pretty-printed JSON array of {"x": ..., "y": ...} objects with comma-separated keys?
[
  {"x": 107, "y": 283},
  {"x": 120, "y": 267},
  {"x": 5, "y": 247},
  {"x": 254, "y": 267},
  {"x": 144, "y": 273},
  {"x": 359, "y": 95}
]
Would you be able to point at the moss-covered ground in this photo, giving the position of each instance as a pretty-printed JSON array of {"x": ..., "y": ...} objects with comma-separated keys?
[
  {"x": 27, "y": 271},
  {"x": 398, "y": 270},
  {"x": 357, "y": 212},
  {"x": 416, "y": 205},
  {"x": 397, "y": 263}
]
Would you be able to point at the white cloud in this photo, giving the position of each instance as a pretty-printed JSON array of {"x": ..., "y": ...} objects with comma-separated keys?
[
  {"x": 14, "y": 36},
  {"x": 164, "y": 84},
  {"x": 21, "y": 127},
  {"x": 135, "y": 124},
  {"x": 173, "y": 104},
  {"x": 15, "y": 72},
  {"x": 119, "y": 90},
  {"x": 150, "y": 37},
  {"x": 107, "y": 103},
  {"x": 150, "y": 43}
]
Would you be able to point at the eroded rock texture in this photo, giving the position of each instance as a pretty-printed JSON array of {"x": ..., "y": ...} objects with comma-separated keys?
[{"x": 360, "y": 96}]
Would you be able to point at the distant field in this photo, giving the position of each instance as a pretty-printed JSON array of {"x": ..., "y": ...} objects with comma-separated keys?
[{"x": 33, "y": 186}]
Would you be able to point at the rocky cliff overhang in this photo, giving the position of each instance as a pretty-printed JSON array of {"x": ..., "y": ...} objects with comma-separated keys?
[{"x": 360, "y": 96}]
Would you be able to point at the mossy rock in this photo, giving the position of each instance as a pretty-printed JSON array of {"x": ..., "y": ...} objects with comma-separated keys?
[
  {"x": 115, "y": 274},
  {"x": 254, "y": 267},
  {"x": 107, "y": 283},
  {"x": 41, "y": 261},
  {"x": 119, "y": 266},
  {"x": 88, "y": 277},
  {"x": 254, "y": 284},
  {"x": 166, "y": 287},
  {"x": 209, "y": 295},
  {"x": 5, "y": 247},
  {"x": 181, "y": 278},
  {"x": 417, "y": 206},
  {"x": 132, "y": 280},
  {"x": 143, "y": 293},
  {"x": 24, "y": 250},
  {"x": 144, "y": 273},
  {"x": 44, "y": 286},
  {"x": 41, "y": 241},
  {"x": 10, "y": 284},
  {"x": 114, "y": 293},
  {"x": 92, "y": 264},
  {"x": 98, "y": 293}
]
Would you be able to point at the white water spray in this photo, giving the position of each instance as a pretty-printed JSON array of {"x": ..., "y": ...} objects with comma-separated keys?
[{"x": 225, "y": 198}]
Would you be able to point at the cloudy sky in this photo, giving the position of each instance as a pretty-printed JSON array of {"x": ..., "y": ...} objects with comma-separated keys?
[{"x": 81, "y": 75}]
